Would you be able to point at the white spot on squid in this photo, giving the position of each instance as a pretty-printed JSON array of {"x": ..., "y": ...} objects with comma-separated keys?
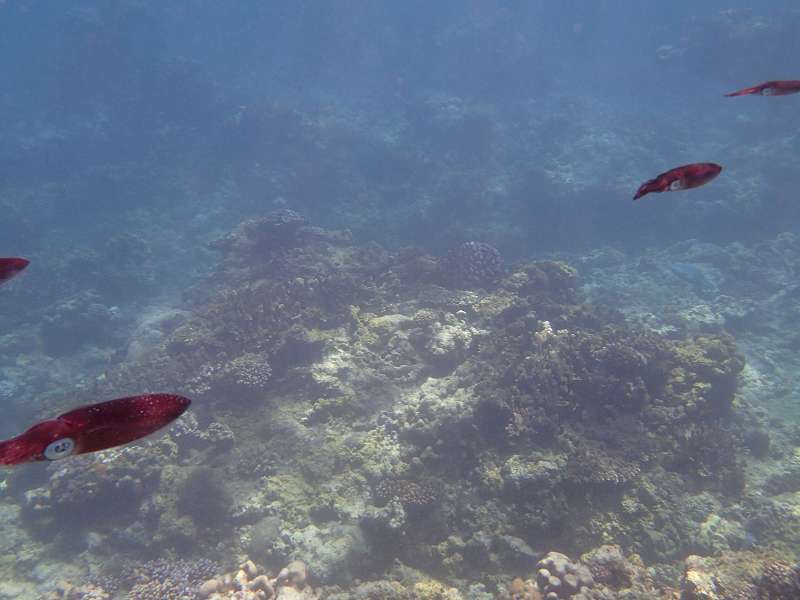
[
  {"x": 59, "y": 449},
  {"x": 676, "y": 185}
]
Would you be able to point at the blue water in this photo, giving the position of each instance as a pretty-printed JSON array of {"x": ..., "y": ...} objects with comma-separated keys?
[{"x": 134, "y": 134}]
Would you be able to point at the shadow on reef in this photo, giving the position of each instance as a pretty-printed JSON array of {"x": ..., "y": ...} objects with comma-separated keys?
[{"x": 396, "y": 415}]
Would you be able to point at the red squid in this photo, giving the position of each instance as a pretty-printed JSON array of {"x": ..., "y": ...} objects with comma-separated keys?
[
  {"x": 11, "y": 267},
  {"x": 94, "y": 427},
  {"x": 770, "y": 88},
  {"x": 684, "y": 177}
]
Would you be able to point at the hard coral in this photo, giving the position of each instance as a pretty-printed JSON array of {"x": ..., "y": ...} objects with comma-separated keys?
[
  {"x": 277, "y": 229},
  {"x": 779, "y": 581},
  {"x": 706, "y": 372},
  {"x": 66, "y": 591},
  {"x": 573, "y": 376},
  {"x": 730, "y": 576},
  {"x": 167, "y": 579},
  {"x": 520, "y": 589},
  {"x": 609, "y": 566},
  {"x": 250, "y": 582},
  {"x": 708, "y": 456},
  {"x": 472, "y": 264},
  {"x": 414, "y": 496},
  {"x": 602, "y": 574},
  {"x": 548, "y": 281},
  {"x": 93, "y": 491},
  {"x": 374, "y": 590},
  {"x": 433, "y": 590},
  {"x": 559, "y": 577},
  {"x": 592, "y": 465},
  {"x": 251, "y": 370}
]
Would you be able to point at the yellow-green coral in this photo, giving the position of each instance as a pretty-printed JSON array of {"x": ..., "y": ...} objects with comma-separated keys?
[
  {"x": 289, "y": 493},
  {"x": 450, "y": 555},
  {"x": 371, "y": 329},
  {"x": 706, "y": 375},
  {"x": 711, "y": 356},
  {"x": 490, "y": 477},
  {"x": 607, "y": 528},
  {"x": 379, "y": 454},
  {"x": 433, "y": 590},
  {"x": 494, "y": 304},
  {"x": 364, "y": 333}
]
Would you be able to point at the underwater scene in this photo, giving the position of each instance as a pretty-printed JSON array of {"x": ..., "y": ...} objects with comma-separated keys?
[{"x": 400, "y": 300}]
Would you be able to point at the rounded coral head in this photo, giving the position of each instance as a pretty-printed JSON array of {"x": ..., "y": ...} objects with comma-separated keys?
[{"x": 471, "y": 264}]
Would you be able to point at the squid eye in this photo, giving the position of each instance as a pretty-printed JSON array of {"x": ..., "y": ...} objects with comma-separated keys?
[
  {"x": 59, "y": 449},
  {"x": 767, "y": 91}
]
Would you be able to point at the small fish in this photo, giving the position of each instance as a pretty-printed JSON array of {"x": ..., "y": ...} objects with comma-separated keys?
[
  {"x": 93, "y": 427},
  {"x": 11, "y": 266},
  {"x": 685, "y": 177},
  {"x": 770, "y": 88}
]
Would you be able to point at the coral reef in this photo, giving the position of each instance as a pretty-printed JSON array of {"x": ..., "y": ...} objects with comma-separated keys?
[
  {"x": 472, "y": 264},
  {"x": 202, "y": 496},
  {"x": 166, "y": 579},
  {"x": 78, "y": 322},
  {"x": 259, "y": 238},
  {"x": 558, "y": 577},
  {"x": 602, "y": 574},
  {"x": 250, "y": 582},
  {"x": 420, "y": 441},
  {"x": 779, "y": 581},
  {"x": 160, "y": 579},
  {"x": 98, "y": 491},
  {"x": 739, "y": 577},
  {"x": 415, "y": 497},
  {"x": 410, "y": 426},
  {"x": 66, "y": 591}
]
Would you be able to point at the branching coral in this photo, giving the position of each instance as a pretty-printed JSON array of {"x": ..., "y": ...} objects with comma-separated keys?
[
  {"x": 161, "y": 579},
  {"x": 416, "y": 497},
  {"x": 250, "y": 370}
]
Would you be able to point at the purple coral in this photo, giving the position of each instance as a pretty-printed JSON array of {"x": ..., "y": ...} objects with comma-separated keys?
[
  {"x": 471, "y": 264},
  {"x": 168, "y": 579}
]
